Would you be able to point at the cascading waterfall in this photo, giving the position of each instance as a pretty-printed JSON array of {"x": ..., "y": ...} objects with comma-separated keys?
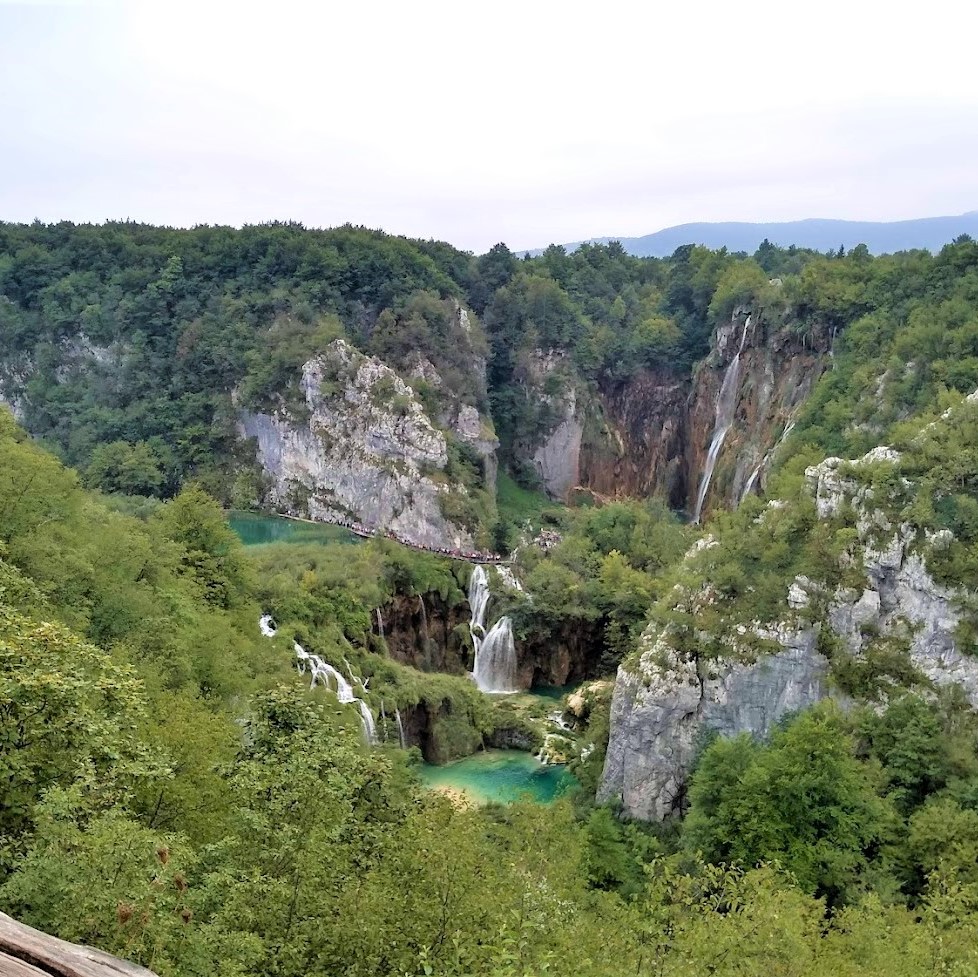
[
  {"x": 726, "y": 402},
  {"x": 266, "y": 624},
  {"x": 323, "y": 673},
  {"x": 495, "y": 650},
  {"x": 369, "y": 726},
  {"x": 400, "y": 728},
  {"x": 380, "y": 625},
  {"x": 495, "y": 659},
  {"x": 478, "y": 602}
]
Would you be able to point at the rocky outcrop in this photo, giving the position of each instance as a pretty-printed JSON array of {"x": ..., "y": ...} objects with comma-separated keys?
[
  {"x": 670, "y": 700},
  {"x": 636, "y": 438},
  {"x": 359, "y": 446},
  {"x": 559, "y": 655},
  {"x": 550, "y": 383},
  {"x": 428, "y": 633},
  {"x": 901, "y": 599},
  {"x": 662, "y": 713}
]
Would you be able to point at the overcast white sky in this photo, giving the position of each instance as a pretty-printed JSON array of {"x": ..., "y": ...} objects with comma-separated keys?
[{"x": 525, "y": 122}]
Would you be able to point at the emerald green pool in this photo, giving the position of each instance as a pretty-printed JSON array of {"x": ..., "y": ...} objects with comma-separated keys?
[
  {"x": 256, "y": 529},
  {"x": 502, "y": 776}
]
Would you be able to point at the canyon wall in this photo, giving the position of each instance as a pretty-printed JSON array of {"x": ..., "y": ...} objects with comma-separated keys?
[{"x": 651, "y": 433}]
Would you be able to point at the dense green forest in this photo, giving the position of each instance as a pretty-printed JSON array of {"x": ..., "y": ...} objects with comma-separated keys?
[
  {"x": 172, "y": 795},
  {"x": 124, "y": 342},
  {"x": 173, "y": 792}
]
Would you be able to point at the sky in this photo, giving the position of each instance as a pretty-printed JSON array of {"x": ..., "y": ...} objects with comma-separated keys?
[{"x": 524, "y": 122}]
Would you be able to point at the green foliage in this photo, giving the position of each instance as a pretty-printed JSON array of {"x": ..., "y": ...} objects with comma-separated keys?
[
  {"x": 804, "y": 800},
  {"x": 67, "y": 713}
]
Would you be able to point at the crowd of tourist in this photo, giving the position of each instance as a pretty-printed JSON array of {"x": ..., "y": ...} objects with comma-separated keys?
[{"x": 474, "y": 556}]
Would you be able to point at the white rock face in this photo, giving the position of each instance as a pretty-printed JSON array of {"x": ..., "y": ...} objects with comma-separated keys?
[
  {"x": 660, "y": 714},
  {"x": 557, "y": 458},
  {"x": 902, "y": 597},
  {"x": 365, "y": 450}
]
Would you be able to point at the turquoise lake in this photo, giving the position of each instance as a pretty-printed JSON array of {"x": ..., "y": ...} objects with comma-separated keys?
[
  {"x": 256, "y": 529},
  {"x": 502, "y": 776}
]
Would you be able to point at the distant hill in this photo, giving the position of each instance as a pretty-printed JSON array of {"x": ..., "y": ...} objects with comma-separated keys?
[{"x": 931, "y": 233}]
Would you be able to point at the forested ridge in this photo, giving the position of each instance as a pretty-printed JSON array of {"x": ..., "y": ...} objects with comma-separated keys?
[{"x": 174, "y": 793}]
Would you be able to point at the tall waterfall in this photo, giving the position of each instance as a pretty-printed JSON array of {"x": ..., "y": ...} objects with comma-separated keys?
[
  {"x": 495, "y": 650},
  {"x": 380, "y": 625},
  {"x": 495, "y": 659},
  {"x": 726, "y": 403}
]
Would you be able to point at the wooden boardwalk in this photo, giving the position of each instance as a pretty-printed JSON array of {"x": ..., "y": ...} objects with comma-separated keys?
[{"x": 475, "y": 557}]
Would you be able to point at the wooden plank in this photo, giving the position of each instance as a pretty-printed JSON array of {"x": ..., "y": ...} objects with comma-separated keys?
[
  {"x": 38, "y": 953},
  {"x": 11, "y": 967}
]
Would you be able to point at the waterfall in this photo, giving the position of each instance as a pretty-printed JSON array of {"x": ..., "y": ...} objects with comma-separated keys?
[
  {"x": 266, "y": 624},
  {"x": 369, "y": 727},
  {"x": 383, "y": 719},
  {"x": 788, "y": 428},
  {"x": 424, "y": 618},
  {"x": 495, "y": 659},
  {"x": 380, "y": 625},
  {"x": 478, "y": 601},
  {"x": 400, "y": 728},
  {"x": 494, "y": 669},
  {"x": 323, "y": 673},
  {"x": 750, "y": 481},
  {"x": 725, "y": 405}
]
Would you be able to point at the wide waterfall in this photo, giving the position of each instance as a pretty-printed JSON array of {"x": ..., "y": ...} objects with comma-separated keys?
[
  {"x": 726, "y": 403},
  {"x": 495, "y": 651},
  {"x": 495, "y": 659}
]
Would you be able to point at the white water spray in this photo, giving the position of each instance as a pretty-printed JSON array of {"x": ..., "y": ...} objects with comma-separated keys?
[
  {"x": 478, "y": 602},
  {"x": 495, "y": 659},
  {"x": 725, "y": 405},
  {"x": 322, "y": 673},
  {"x": 494, "y": 669},
  {"x": 266, "y": 624}
]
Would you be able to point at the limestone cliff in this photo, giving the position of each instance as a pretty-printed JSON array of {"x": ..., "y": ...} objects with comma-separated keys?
[
  {"x": 360, "y": 446},
  {"x": 673, "y": 695}
]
